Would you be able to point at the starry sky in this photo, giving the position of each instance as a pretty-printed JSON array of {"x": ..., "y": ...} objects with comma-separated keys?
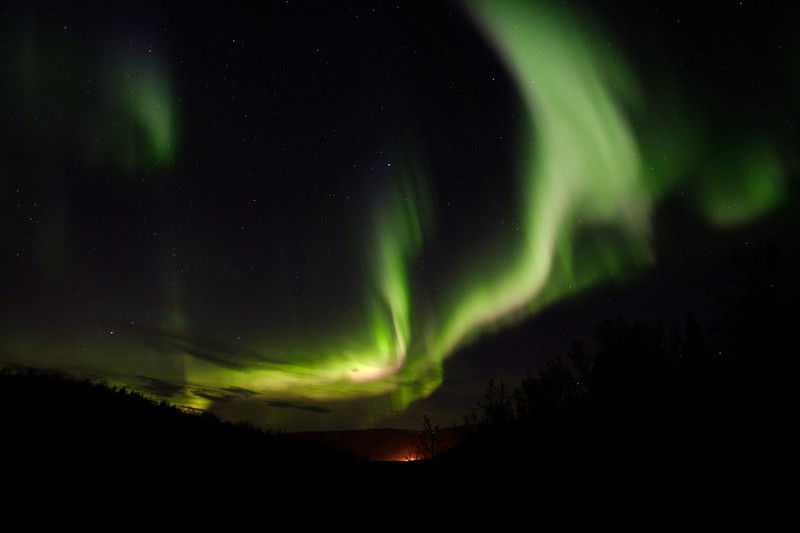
[{"x": 340, "y": 215}]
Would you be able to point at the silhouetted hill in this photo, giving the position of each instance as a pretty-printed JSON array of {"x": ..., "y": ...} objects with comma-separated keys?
[{"x": 55, "y": 425}]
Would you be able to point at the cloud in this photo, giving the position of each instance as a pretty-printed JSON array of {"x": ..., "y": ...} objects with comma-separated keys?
[
  {"x": 239, "y": 391},
  {"x": 224, "y": 354},
  {"x": 288, "y": 405},
  {"x": 159, "y": 387},
  {"x": 214, "y": 395}
]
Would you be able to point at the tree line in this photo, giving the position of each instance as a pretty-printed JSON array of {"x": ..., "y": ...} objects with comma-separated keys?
[{"x": 675, "y": 396}]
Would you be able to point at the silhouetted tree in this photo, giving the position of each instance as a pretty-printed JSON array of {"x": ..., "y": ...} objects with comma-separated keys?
[
  {"x": 631, "y": 364},
  {"x": 554, "y": 387},
  {"x": 697, "y": 367},
  {"x": 757, "y": 314},
  {"x": 755, "y": 332},
  {"x": 428, "y": 443},
  {"x": 582, "y": 360},
  {"x": 497, "y": 406},
  {"x": 636, "y": 398},
  {"x": 470, "y": 425}
]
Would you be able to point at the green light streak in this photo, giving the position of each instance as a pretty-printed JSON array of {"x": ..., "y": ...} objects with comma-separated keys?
[
  {"x": 148, "y": 101},
  {"x": 400, "y": 230},
  {"x": 106, "y": 104},
  {"x": 374, "y": 360},
  {"x": 587, "y": 187},
  {"x": 583, "y": 173},
  {"x": 584, "y": 170},
  {"x": 742, "y": 186}
]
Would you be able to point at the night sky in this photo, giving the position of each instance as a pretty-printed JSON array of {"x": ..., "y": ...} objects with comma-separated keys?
[{"x": 340, "y": 215}]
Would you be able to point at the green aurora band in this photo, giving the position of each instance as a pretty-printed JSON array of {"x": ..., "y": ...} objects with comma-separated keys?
[
  {"x": 109, "y": 106},
  {"x": 586, "y": 190},
  {"x": 587, "y": 187}
]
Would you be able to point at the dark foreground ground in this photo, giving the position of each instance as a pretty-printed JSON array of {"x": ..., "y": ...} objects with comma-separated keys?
[{"x": 65, "y": 440}]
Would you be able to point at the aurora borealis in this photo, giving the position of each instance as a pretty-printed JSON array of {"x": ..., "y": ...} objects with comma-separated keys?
[{"x": 302, "y": 214}]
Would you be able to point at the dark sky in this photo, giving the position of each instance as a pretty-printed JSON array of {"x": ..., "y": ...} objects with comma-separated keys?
[{"x": 334, "y": 215}]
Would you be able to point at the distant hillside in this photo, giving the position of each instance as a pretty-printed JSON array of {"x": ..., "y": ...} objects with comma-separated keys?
[
  {"x": 383, "y": 444},
  {"x": 53, "y": 423}
]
